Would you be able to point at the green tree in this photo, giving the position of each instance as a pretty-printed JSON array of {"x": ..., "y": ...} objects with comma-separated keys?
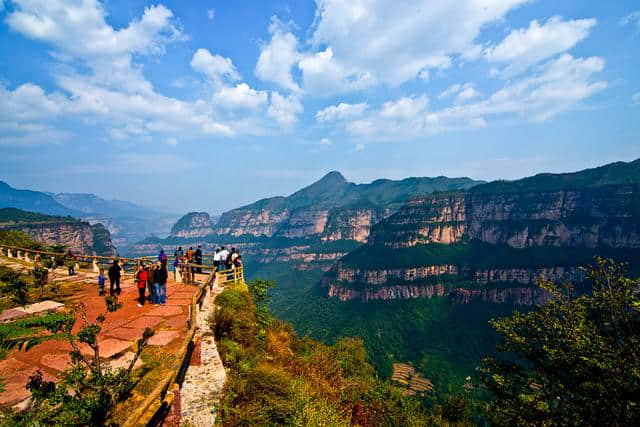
[
  {"x": 85, "y": 393},
  {"x": 575, "y": 361},
  {"x": 15, "y": 287},
  {"x": 259, "y": 290}
]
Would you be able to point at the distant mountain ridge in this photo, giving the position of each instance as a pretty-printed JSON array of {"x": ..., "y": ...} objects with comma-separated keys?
[
  {"x": 127, "y": 221},
  {"x": 331, "y": 208},
  {"x": 91, "y": 204},
  {"x": 35, "y": 201}
]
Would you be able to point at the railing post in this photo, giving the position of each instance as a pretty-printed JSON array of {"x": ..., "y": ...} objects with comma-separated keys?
[
  {"x": 178, "y": 276},
  {"x": 26, "y": 256},
  {"x": 94, "y": 265},
  {"x": 9, "y": 253},
  {"x": 19, "y": 256}
]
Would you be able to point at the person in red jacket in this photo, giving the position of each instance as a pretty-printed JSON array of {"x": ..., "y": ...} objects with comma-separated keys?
[{"x": 141, "y": 280}]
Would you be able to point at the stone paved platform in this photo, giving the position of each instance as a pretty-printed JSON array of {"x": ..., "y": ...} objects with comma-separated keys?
[{"x": 119, "y": 332}]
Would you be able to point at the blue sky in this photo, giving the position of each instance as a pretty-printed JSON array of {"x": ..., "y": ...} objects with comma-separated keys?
[{"x": 209, "y": 105}]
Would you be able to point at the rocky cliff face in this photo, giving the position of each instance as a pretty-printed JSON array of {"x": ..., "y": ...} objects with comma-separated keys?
[
  {"x": 325, "y": 224},
  {"x": 407, "y": 283},
  {"x": 331, "y": 208},
  {"x": 102, "y": 243},
  {"x": 193, "y": 224},
  {"x": 587, "y": 218},
  {"x": 80, "y": 237},
  {"x": 515, "y": 295},
  {"x": 497, "y": 234},
  {"x": 385, "y": 292}
]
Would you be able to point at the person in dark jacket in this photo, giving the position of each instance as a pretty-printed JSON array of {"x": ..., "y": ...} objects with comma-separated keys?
[
  {"x": 199, "y": 260},
  {"x": 71, "y": 263},
  {"x": 114, "y": 277},
  {"x": 160, "y": 276},
  {"x": 151, "y": 283}
]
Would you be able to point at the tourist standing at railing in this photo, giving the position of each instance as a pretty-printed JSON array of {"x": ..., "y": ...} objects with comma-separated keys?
[
  {"x": 216, "y": 260},
  {"x": 160, "y": 276},
  {"x": 151, "y": 283},
  {"x": 178, "y": 253},
  {"x": 71, "y": 263},
  {"x": 162, "y": 257},
  {"x": 228, "y": 262},
  {"x": 190, "y": 254},
  {"x": 198, "y": 257},
  {"x": 224, "y": 254},
  {"x": 101, "y": 280},
  {"x": 141, "y": 281},
  {"x": 238, "y": 262},
  {"x": 114, "y": 277}
]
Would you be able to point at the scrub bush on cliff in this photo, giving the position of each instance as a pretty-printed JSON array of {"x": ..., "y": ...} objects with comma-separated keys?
[{"x": 575, "y": 361}]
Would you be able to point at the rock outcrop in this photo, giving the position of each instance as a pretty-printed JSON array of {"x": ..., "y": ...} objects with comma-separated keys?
[
  {"x": 508, "y": 233},
  {"x": 331, "y": 209},
  {"x": 79, "y": 236},
  {"x": 514, "y": 295},
  {"x": 193, "y": 224},
  {"x": 587, "y": 218}
]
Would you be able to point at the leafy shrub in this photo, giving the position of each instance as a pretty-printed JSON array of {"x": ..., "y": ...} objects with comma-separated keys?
[
  {"x": 575, "y": 360},
  {"x": 15, "y": 287},
  {"x": 290, "y": 380}
]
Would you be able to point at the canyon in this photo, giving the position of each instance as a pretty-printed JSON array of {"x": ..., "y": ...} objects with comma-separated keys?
[{"x": 502, "y": 233}]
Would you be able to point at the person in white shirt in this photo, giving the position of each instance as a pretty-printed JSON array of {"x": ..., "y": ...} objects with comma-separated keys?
[
  {"x": 223, "y": 255},
  {"x": 216, "y": 259}
]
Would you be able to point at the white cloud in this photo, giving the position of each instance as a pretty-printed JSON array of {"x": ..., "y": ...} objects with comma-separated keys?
[
  {"x": 462, "y": 92},
  {"x": 635, "y": 98},
  {"x": 556, "y": 86},
  {"x": 324, "y": 76},
  {"x": 172, "y": 141},
  {"x": 404, "y": 108},
  {"x": 341, "y": 111},
  {"x": 326, "y": 142},
  {"x": 466, "y": 94},
  {"x": 217, "y": 68},
  {"x": 58, "y": 22},
  {"x": 451, "y": 90},
  {"x": 284, "y": 109},
  {"x": 278, "y": 56},
  {"x": 528, "y": 46},
  {"x": 373, "y": 41},
  {"x": 630, "y": 19},
  {"x": 240, "y": 96},
  {"x": 211, "y": 14},
  {"x": 101, "y": 85}
]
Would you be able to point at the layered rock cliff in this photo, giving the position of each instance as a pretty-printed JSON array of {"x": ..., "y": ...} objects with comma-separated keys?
[
  {"x": 331, "y": 209},
  {"x": 508, "y": 233},
  {"x": 587, "y": 218},
  {"x": 79, "y": 236},
  {"x": 193, "y": 224}
]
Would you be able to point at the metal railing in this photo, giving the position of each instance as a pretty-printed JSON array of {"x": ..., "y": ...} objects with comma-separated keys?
[
  {"x": 96, "y": 261},
  {"x": 156, "y": 405}
]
